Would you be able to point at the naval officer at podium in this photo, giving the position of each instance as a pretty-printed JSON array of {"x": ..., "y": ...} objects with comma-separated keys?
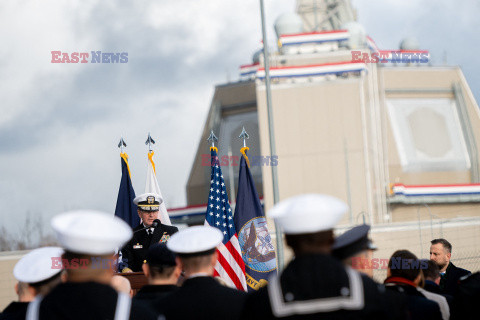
[{"x": 148, "y": 232}]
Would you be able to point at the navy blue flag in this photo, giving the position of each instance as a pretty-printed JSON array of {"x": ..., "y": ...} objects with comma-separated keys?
[
  {"x": 257, "y": 250},
  {"x": 230, "y": 266},
  {"x": 126, "y": 209}
]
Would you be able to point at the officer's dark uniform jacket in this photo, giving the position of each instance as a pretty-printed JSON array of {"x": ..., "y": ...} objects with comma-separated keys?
[
  {"x": 318, "y": 286},
  {"x": 202, "y": 298},
  {"x": 449, "y": 280},
  {"x": 15, "y": 310},
  {"x": 87, "y": 300},
  {"x": 135, "y": 251}
]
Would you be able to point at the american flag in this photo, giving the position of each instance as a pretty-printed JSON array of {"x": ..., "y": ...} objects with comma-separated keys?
[{"x": 230, "y": 266}]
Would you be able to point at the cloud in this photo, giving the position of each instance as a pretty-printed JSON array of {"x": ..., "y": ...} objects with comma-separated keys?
[{"x": 61, "y": 123}]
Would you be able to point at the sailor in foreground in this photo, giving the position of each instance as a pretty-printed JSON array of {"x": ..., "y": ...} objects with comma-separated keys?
[
  {"x": 36, "y": 275},
  {"x": 148, "y": 232},
  {"x": 89, "y": 239},
  {"x": 201, "y": 296},
  {"x": 162, "y": 272},
  {"x": 314, "y": 285},
  {"x": 355, "y": 249}
]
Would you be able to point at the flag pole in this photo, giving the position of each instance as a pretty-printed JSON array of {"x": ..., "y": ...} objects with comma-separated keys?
[
  {"x": 249, "y": 215},
  {"x": 231, "y": 177},
  {"x": 121, "y": 144},
  {"x": 151, "y": 183},
  {"x": 212, "y": 138},
  {"x": 245, "y": 136},
  {"x": 220, "y": 215},
  {"x": 273, "y": 152},
  {"x": 149, "y": 142}
]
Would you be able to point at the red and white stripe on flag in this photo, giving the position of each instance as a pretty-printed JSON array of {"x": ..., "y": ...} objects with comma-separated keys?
[{"x": 230, "y": 266}]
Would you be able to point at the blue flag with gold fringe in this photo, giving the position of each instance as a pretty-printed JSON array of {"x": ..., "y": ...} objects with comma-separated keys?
[
  {"x": 258, "y": 252},
  {"x": 125, "y": 208}
]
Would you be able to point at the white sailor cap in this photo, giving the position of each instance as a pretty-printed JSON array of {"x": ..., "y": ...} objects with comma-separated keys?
[
  {"x": 195, "y": 240},
  {"x": 148, "y": 201},
  {"x": 90, "y": 232},
  {"x": 308, "y": 213},
  {"x": 39, "y": 265}
]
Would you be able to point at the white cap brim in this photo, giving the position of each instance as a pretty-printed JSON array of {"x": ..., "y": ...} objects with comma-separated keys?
[
  {"x": 195, "y": 239},
  {"x": 91, "y": 232},
  {"x": 308, "y": 213},
  {"x": 39, "y": 265},
  {"x": 143, "y": 197}
]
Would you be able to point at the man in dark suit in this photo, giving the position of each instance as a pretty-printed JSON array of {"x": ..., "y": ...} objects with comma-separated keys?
[
  {"x": 145, "y": 234},
  {"x": 315, "y": 285},
  {"x": 441, "y": 253},
  {"x": 200, "y": 297}
]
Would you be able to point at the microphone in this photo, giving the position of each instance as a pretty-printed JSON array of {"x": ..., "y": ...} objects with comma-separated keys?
[{"x": 155, "y": 224}]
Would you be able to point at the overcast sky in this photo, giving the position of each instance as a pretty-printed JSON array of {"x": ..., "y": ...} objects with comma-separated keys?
[{"x": 60, "y": 123}]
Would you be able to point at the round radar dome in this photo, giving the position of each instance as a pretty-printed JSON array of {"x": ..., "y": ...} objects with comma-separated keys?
[
  {"x": 409, "y": 43},
  {"x": 358, "y": 36},
  {"x": 288, "y": 23},
  {"x": 256, "y": 56}
]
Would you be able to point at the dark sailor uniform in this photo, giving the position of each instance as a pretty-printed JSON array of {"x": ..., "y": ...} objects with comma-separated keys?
[
  {"x": 318, "y": 286},
  {"x": 150, "y": 293},
  {"x": 202, "y": 298},
  {"x": 87, "y": 300},
  {"x": 135, "y": 251},
  {"x": 87, "y": 233},
  {"x": 15, "y": 310}
]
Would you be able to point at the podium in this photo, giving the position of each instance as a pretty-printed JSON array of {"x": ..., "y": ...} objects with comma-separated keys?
[{"x": 137, "y": 280}]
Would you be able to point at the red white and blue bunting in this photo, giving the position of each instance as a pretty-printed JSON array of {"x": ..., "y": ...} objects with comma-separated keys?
[
  {"x": 435, "y": 190},
  {"x": 313, "y": 37},
  {"x": 313, "y": 70}
]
